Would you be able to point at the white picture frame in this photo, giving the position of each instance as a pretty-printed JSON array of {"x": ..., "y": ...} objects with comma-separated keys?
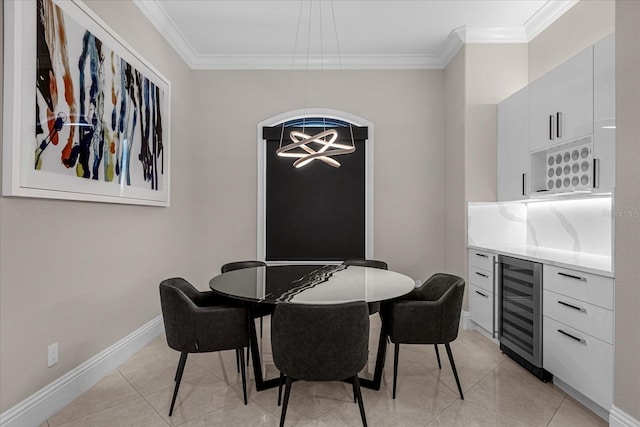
[{"x": 92, "y": 81}]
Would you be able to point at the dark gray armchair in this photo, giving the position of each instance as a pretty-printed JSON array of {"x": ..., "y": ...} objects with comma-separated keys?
[
  {"x": 429, "y": 315},
  {"x": 258, "y": 310},
  {"x": 320, "y": 343},
  {"x": 374, "y": 307},
  {"x": 201, "y": 322}
]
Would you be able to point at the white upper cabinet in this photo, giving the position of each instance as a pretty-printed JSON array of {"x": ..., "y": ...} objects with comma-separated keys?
[
  {"x": 604, "y": 114},
  {"x": 513, "y": 147},
  {"x": 561, "y": 107}
]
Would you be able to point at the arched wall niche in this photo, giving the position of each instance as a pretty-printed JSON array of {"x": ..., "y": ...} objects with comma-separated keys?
[{"x": 263, "y": 250}]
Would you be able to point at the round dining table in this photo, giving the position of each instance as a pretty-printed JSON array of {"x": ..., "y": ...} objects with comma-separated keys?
[{"x": 312, "y": 284}]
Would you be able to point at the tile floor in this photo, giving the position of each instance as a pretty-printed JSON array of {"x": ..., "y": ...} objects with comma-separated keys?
[{"x": 498, "y": 392}]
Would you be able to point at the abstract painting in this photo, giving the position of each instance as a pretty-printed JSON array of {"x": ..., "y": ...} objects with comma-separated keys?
[{"x": 99, "y": 127}]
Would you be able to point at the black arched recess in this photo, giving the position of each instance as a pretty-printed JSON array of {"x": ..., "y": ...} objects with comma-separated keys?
[{"x": 317, "y": 212}]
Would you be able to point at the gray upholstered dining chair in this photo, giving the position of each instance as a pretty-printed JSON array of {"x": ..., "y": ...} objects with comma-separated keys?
[
  {"x": 258, "y": 310},
  {"x": 367, "y": 263},
  {"x": 201, "y": 322},
  {"x": 429, "y": 315},
  {"x": 320, "y": 342},
  {"x": 374, "y": 307}
]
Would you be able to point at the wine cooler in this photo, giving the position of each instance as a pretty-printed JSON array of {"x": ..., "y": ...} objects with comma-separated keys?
[{"x": 520, "y": 313}]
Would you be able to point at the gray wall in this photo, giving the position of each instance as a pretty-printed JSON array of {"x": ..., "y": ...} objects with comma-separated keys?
[
  {"x": 82, "y": 274},
  {"x": 454, "y": 205},
  {"x": 581, "y": 26},
  {"x": 627, "y": 209},
  {"x": 478, "y": 77},
  {"x": 406, "y": 109}
]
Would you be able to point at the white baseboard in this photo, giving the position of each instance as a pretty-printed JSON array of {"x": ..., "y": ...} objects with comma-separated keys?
[
  {"x": 619, "y": 418},
  {"x": 465, "y": 321},
  {"x": 46, "y": 402},
  {"x": 584, "y": 400}
]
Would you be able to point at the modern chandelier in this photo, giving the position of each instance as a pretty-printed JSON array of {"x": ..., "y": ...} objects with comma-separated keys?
[
  {"x": 328, "y": 147},
  {"x": 324, "y": 142}
]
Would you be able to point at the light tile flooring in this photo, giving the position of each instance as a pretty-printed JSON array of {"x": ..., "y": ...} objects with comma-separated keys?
[{"x": 497, "y": 391}]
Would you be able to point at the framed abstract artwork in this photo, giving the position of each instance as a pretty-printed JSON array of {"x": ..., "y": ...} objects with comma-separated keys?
[{"x": 85, "y": 117}]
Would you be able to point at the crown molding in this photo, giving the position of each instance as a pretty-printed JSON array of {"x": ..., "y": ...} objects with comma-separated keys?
[
  {"x": 544, "y": 17},
  {"x": 452, "y": 45},
  {"x": 168, "y": 29},
  {"x": 494, "y": 35}
]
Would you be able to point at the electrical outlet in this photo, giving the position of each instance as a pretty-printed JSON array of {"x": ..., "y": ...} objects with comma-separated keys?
[{"x": 52, "y": 355}]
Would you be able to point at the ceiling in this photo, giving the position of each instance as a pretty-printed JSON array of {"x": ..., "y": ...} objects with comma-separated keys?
[{"x": 366, "y": 34}]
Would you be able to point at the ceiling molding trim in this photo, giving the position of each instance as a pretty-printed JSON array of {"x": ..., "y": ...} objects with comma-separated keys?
[
  {"x": 546, "y": 16},
  {"x": 315, "y": 62},
  {"x": 452, "y": 45},
  {"x": 495, "y": 35},
  {"x": 168, "y": 29}
]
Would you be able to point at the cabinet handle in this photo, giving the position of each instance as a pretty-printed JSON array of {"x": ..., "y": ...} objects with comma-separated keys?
[
  {"x": 482, "y": 274},
  {"x": 559, "y": 124},
  {"x": 482, "y": 255},
  {"x": 575, "y": 307},
  {"x": 524, "y": 177},
  {"x": 596, "y": 173},
  {"x": 552, "y": 132},
  {"x": 481, "y": 294},
  {"x": 573, "y": 337},
  {"x": 571, "y": 276}
]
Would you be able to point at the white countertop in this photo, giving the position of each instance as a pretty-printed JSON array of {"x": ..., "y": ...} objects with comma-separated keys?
[{"x": 589, "y": 263}]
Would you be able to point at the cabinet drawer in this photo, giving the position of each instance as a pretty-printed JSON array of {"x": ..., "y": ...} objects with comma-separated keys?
[
  {"x": 596, "y": 290},
  {"x": 585, "y": 317},
  {"x": 481, "y": 307},
  {"x": 481, "y": 278},
  {"x": 583, "y": 362},
  {"x": 481, "y": 259}
]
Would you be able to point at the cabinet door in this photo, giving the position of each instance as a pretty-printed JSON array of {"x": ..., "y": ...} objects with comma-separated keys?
[
  {"x": 513, "y": 147},
  {"x": 481, "y": 307},
  {"x": 580, "y": 360},
  {"x": 604, "y": 114},
  {"x": 561, "y": 106}
]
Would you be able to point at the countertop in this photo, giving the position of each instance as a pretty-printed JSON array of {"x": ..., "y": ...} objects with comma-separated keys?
[{"x": 589, "y": 263}]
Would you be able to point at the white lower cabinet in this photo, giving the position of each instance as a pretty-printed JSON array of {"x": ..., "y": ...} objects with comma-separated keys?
[
  {"x": 482, "y": 290},
  {"x": 578, "y": 322},
  {"x": 481, "y": 307},
  {"x": 580, "y": 360}
]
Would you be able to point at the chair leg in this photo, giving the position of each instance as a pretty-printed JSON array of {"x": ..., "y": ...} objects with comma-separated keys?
[
  {"x": 238, "y": 359},
  {"x": 240, "y": 352},
  {"x": 355, "y": 393},
  {"x": 396, "y": 353},
  {"x": 248, "y": 356},
  {"x": 181, "y": 364},
  {"x": 182, "y": 356},
  {"x": 356, "y": 388},
  {"x": 280, "y": 384},
  {"x": 287, "y": 392},
  {"x": 453, "y": 366},
  {"x": 438, "y": 355}
]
